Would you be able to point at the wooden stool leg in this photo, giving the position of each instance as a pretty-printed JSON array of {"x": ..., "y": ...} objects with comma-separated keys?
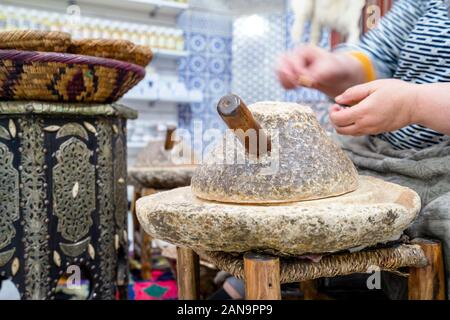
[
  {"x": 146, "y": 256},
  {"x": 136, "y": 225},
  {"x": 188, "y": 274},
  {"x": 146, "y": 245},
  {"x": 262, "y": 277},
  {"x": 428, "y": 283},
  {"x": 309, "y": 289}
]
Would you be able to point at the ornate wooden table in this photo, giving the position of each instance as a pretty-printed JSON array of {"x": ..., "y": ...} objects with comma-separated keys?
[{"x": 63, "y": 196}]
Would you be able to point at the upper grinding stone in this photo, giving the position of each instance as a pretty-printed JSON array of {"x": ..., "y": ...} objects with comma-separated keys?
[
  {"x": 157, "y": 168},
  {"x": 154, "y": 155},
  {"x": 304, "y": 164}
]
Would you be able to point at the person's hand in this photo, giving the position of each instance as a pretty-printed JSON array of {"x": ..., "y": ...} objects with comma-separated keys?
[
  {"x": 377, "y": 107},
  {"x": 313, "y": 67}
]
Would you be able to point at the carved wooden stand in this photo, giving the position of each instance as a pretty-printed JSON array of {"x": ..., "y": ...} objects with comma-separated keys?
[
  {"x": 63, "y": 196},
  {"x": 262, "y": 276}
]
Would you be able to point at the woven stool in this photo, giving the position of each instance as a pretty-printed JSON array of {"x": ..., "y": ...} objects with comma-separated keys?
[
  {"x": 301, "y": 195},
  {"x": 364, "y": 218},
  {"x": 263, "y": 274}
]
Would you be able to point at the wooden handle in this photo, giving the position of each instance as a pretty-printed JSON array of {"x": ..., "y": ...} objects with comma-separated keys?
[
  {"x": 238, "y": 117},
  {"x": 169, "y": 144}
]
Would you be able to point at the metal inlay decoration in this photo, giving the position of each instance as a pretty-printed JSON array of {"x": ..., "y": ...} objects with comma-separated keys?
[
  {"x": 62, "y": 168},
  {"x": 9, "y": 197},
  {"x": 72, "y": 129},
  {"x": 4, "y": 134},
  {"x": 75, "y": 249},
  {"x": 57, "y": 258},
  {"x": 6, "y": 256},
  {"x": 120, "y": 174},
  {"x": 74, "y": 189},
  {"x": 34, "y": 209},
  {"x": 107, "y": 225}
]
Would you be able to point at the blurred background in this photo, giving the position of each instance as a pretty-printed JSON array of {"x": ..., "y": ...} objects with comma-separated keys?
[{"x": 203, "y": 50}]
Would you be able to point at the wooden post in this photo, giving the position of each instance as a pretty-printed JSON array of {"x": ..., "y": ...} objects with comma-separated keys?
[
  {"x": 238, "y": 117},
  {"x": 146, "y": 256},
  {"x": 428, "y": 283},
  {"x": 262, "y": 277},
  {"x": 310, "y": 291},
  {"x": 146, "y": 246},
  {"x": 169, "y": 143},
  {"x": 188, "y": 274},
  {"x": 136, "y": 225}
]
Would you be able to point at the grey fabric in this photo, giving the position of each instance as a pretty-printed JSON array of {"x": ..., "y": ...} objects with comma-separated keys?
[
  {"x": 237, "y": 284},
  {"x": 426, "y": 171}
]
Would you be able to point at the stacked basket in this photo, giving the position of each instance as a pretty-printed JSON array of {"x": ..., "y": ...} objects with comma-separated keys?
[
  {"x": 50, "y": 66},
  {"x": 63, "y": 170}
]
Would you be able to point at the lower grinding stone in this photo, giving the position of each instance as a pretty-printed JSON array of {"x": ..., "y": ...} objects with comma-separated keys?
[
  {"x": 161, "y": 177},
  {"x": 377, "y": 212}
]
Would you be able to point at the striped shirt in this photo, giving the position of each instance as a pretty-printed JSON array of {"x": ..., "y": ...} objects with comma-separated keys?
[{"x": 411, "y": 43}]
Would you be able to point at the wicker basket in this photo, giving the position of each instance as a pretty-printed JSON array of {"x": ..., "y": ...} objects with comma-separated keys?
[
  {"x": 47, "y": 41},
  {"x": 27, "y": 75},
  {"x": 113, "y": 49}
]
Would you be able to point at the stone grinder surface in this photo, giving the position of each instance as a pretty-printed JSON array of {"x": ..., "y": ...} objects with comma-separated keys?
[
  {"x": 163, "y": 164},
  {"x": 303, "y": 163},
  {"x": 377, "y": 212},
  {"x": 312, "y": 202}
]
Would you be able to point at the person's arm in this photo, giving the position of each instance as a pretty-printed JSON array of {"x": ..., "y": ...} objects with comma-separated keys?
[
  {"x": 383, "y": 44},
  {"x": 375, "y": 57},
  {"x": 433, "y": 107},
  {"x": 388, "y": 105},
  {"x": 314, "y": 67}
]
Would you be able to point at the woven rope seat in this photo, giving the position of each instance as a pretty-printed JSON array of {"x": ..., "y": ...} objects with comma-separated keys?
[{"x": 298, "y": 270}]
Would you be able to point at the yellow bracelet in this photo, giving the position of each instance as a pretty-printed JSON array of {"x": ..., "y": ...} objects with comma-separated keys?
[{"x": 366, "y": 63}]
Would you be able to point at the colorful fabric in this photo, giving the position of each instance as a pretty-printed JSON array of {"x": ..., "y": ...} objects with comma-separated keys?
[{"x": 163, "y": 286}]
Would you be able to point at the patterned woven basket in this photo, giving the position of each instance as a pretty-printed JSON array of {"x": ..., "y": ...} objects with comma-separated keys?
[
  {"x": 32, "y": 40},
  {"x": 28, "y": 75},
  {"x": 113, "y": 49}
]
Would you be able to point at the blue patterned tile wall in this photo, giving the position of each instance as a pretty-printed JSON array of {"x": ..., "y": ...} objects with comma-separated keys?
[
  {"x": 314, "y": 98},
  {"x": 257, "y": 42},
  {"x": 207, "y": 68},
  {"x": 255, "y": 57},
  {"x": 228, "y": 57}
]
